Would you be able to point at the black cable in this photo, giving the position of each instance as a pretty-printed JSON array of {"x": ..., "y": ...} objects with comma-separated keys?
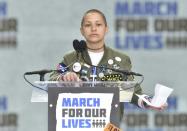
[{"x": 33, "y": 84}]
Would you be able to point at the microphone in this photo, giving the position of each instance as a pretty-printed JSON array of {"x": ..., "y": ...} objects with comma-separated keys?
[
  {"x": 61, "y": 68},
  {"x": 79, "y": 46},
  {"x": 40, "y": 72},
  {"x": 76, "y": 44},
  {"x": 127, "y": 72}
]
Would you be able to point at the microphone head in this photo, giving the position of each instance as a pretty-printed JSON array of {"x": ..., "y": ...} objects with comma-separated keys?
[
  {"x": 79, "y": 46},
  {"x": 76, "y": 44},
  {"x": 82, "y": 45}
]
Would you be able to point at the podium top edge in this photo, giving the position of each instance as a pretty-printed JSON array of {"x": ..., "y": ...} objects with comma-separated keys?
[{"x": 86, "y": 82}]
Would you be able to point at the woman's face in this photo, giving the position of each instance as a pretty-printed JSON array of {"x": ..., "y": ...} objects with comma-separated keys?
[{"x": 94, "y": 28}]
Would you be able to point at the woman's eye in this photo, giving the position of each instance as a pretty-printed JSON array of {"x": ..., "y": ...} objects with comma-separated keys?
[{"x": 87, "y": 25}]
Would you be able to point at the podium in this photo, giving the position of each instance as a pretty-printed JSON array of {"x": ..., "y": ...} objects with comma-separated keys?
[{"x": 82, "y": 105}]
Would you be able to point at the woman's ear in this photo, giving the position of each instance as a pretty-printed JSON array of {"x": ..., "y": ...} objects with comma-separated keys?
[
  {"x": 82, "y": 32},
  {"x": 107, "y": 29}
]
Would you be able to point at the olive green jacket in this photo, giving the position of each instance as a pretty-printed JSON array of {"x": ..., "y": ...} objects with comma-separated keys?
[{"x": 109, "y": 54}]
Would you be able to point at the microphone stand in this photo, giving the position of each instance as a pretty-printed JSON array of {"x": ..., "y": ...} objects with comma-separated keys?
[{"x": 42, "y": 75}]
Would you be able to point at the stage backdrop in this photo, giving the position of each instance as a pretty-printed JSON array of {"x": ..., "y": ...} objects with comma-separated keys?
[{"x": 35, "y": 35}]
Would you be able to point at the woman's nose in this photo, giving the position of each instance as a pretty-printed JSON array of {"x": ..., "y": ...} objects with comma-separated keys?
[{"x": 93, "y": 28}]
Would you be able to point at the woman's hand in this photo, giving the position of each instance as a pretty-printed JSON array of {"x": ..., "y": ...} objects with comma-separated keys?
[
  {"x": 161, "y": 108},
  {"x": 70, "y": 76}
]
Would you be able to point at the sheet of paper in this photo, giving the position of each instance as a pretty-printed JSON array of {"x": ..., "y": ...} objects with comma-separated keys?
[{"x": 160, "y": 97}]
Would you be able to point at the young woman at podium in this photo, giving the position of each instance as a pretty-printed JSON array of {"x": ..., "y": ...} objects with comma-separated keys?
[{"x": 83, "y": 63}]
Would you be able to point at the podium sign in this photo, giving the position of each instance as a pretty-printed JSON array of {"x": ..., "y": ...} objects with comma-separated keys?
[
  {"x": 83, "y": 105},
  {"x": 82, "y": 108}
]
